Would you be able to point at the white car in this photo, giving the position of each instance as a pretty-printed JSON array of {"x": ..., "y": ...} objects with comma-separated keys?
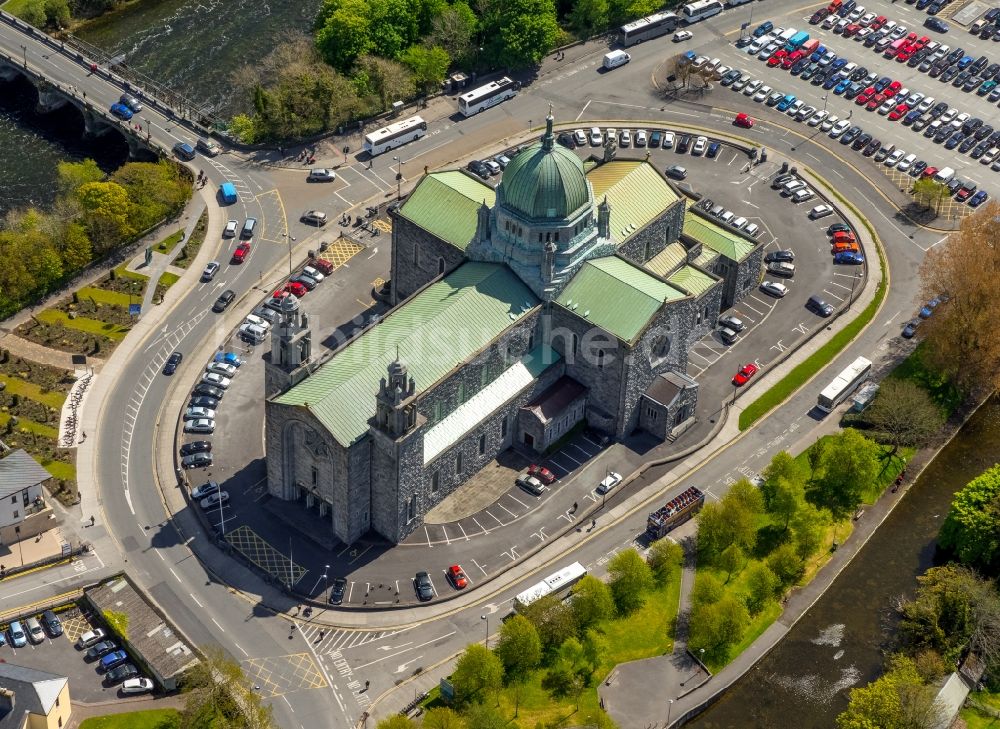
[
  {"x": 214, "y": 378},
  {"x": 840, "y": 127},
  {"x": 609, "y": 482},
  {"x": 893, "y": 159},
  {"x": 222, "y": 368},
  {"x": 596, "y": 138},
  {"x": 580, "y": 138},
  {"x": 805, "y": 113},
  {"x": 830, "y": 21},
  {"x": 713, "y": 64},
  {"x": 230, "y": 231},
  {"x": 906, "y": 163},
  {"x": 640, "y": 138},
  {"x": 926, "y": 104},
  {"x": 668, "y": 140},
  {"x": 625, "y": 138},
  {"x": 253, "y": 333},
  {"x": 950, "y": 114},
  {"x": 699, "y": 62},
  {"x": 898, "y": 32},
  {"x": 820, "y": 211},
  {"x": 322, "y": 174},
  {"x": 683, "y": 35},
  {"x": 887, "y": 106},
  {"x": 867, "y": 19},
  {"x": 133, "y": 686},
  {"x": 89, "y": 638},
  {"x": 914, "y": 99},
  {"x": 828, "y": 123},
  {"x": 258, "y": 321},
  {"x": 773, "y": 288},
  {"x": 756, "y": 46},
  {"x": 962, "y": 118},
  {"x": 196, "y": 413},
  {"x": 751, "y": 88},
  {"x": 699, "y": 147},
  {"x": 762, "y": 93},
  {"x": 313, "y": 273},
  {"x": 794, "y": 108},
  {"x": 216, "y": 499},
  {"x": 818, "y": 118},
  {"x": 800, "y": 196},
  {"x": 201, "y": 425}
]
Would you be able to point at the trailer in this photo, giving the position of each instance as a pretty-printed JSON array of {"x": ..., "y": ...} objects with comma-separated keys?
[{"x": 675, "y": 512}]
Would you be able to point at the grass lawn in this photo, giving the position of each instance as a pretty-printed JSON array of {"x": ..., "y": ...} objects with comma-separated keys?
[
  {"x": 152, "y": 719},
  {"x": 891, "y": 466},
  {"x": 31, "y": 426},
  {"x": 168, "y": 244},
  {"x": 190, "y": 250},
  {"x": 83, "y": 324},
  {"x": 17, "y": 386},
  {"x": 941, "y": 390},
  {"x": 103, "y": 296},
  {"x": 974, "y": 719},
  {"x": 15, "y": 7},
  {"x": 61, "y": 470}
]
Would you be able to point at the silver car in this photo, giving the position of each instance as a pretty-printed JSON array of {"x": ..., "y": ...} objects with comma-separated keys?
[
  {"x": 196, "y": 413},
  {"x": 201, "y": 425},
  {"x": 223, "y": 368}
]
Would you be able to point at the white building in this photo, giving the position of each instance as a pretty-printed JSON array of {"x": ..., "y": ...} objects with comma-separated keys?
[{"x": 21, "y": 478}]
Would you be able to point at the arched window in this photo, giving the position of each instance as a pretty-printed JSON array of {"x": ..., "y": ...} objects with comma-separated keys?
[
  {"x": 440, "y": 265},
  {"x": 659, "y": 350}
]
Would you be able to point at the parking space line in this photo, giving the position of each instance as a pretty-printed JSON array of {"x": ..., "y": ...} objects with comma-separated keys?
[
  {"x": 758, "y": 313},
  {"x": 830, "y": 293},
  {"x": 518, "y": 500},
  {"x": 506, "y": 509},
  {"x": 447, "y": 541},
  {"x": 479, "y": 566},
  {"x": 567, "y": 455},
  {"x": 494, "y": 517},
  {"x": 463, "y": 530},
  {"x": 481, "y": 527}
]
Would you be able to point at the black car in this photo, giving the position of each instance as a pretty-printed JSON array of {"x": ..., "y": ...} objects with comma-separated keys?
[
  {"x": 859, "y": 73},
  {"x": 953, "y": 184},
  {"x": 861, "y": 142},
  {"x": 936, "y": 24},
  {"x": 955, "y": 55},
  {"x": 873, "y": 147},
  {"x": 967, "y": 144},
  {"x": 225, "y": 299},
  {"x": 942, "y": 134},
  {"x": 937, "y": 69},
  {"x": 838, "y": 228},
  {"x": 979, "y": 150},
  {"x": 918, "y": 167},
  {"x": 850, "y": 135},
  {"x": 197, "y": 460},
  {"x": 682, "y": 147},
  {"x": 730, "y": 77},
  {"x": 204, "y": 401},
  {"x": 198, "y": 446},
  {"x": 308, "y": 281},
  {"x": 422, "y": 585},
  {"x": 566, "y": 139},
  {"x": 938, "y": 109},
  {"x": 972, "y": 125},
  {"x": 337, "y": 588},
  {"x": 954, "y": 140},
  {"x": 52, "y": 623},
  {"x": 122, "y": 673},
  {"x": 99, "y": 649},
  {"x": 172, "y": 363},
  {"x": 783, "y": 256},
  {"x": 203, "y": 388},
  {"x": 799, "y": 66},
  {"x": 972, "y": 83},
  {"x": 819, "y": 306},
  {"x": 949, "y": 73}
]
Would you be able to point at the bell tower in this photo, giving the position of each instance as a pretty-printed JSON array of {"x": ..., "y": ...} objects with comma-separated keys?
[
  {"x": 395, "y": 404},
  {"x": 287, "y": 363}
]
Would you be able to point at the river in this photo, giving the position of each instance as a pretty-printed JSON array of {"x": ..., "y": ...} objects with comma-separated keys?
[{"x": 839, "y": 643}]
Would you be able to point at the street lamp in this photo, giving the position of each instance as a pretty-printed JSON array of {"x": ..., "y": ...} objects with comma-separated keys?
[
  {"x": 290, "y": 239},
  {"x": 399, "y": 176},
  {"x": 24, "y": 53},
  {"x": 326, "y": 575},
  {"x": 487, "y": 619},
  {"x": 670, "y": 704},
  {"x": 147, "y": 128},
  {"x": 825, "y": 97}
]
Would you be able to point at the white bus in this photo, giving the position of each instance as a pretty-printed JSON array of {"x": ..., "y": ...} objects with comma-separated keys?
[
  {"x": 486, "y": 96},
  {"x": 558, "y": 584},
  {"x": 701, "y": 9},
  {"x": 844, "y": 384},
  {"x": 644, "y": 29},
  {"x": 395, "y": 135}
]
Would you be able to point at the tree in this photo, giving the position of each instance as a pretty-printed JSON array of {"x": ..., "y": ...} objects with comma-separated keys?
[
  {"x": 107, "y": 212},
  {"x": 808, "y": 527},
  {"x": 786, "y": 564},
  {"x": 595, "y": 648},
  {"x": 592, "y": 602},
  {"x": 519, "y": 648},
  {"x": 453, "y": 30},
  {"x": 519, "y": 33},
  {"x": 33, "y": 12},
  {"x": 630, "y": 578},
  {"x": 553, "y": 619},
  {"x": 785, "y": 499},
  {"x": 621, "y": 11},
  {"x": 57, "y": 13},
  {"x": 904, "y": 414},
  {"x": 343, "y": 32},
  {"x": 483, "y": 716},
  {"x": 762, "y": 586},
  {"x": 384, "y": 79},
  {"x": 589, "y": 17},
  {"x": 959, "y": 339},
  {"x": 218, "y": 694},
  {"x": 733, "y": 520},
  {"x": 897, "y": 700},
  {"x": 71, "y": 175},
  {"x": 718, "y": 626},
  {"x": 442, "y": 717},
  {"x": 477, "y": 672},
  {"x": 664, "y": 556},
  {"x": 971, "y": 531},
  {"x": 850, "y": 464},
  {"x": 428, "y": 64},
  {"x": 707, "y": 589},
  {"x": 930, "y": 192},
  {"x": 731, "y": 560},
  {"x": 397, "y": 721}
]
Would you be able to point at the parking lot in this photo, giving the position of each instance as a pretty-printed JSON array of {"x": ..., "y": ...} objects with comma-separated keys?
[{"x": 59, "y": 655}]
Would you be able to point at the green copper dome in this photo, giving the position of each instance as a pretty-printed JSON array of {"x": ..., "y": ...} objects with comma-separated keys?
[{"x": 545, "y": 180}]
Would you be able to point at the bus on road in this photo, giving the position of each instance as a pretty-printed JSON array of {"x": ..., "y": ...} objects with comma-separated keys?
[
  {"x": 558, "y": 584},
  {"x": 486, "y": 96},
  {"x": 844, "y": 384},
  {"x": 674, "y": 513},
  {"x": 701, "y": 9},
  {"x": 644, "y": 29},
  {"x": 395, "y": 135}
]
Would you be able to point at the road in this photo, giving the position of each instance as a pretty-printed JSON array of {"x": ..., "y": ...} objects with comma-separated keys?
[{"x": 324, "y": 677}]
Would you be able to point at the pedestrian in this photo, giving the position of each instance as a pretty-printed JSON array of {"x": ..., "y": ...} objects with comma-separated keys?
[
  {"x": 370, "y": 163},
  {"x": 593, "y": 523},
  {"x": 574, "y": 506},
  {"x": 367, "y": 684},
  {"x": 92, "y": 520},
  {"x": 84, "y": 94},
  {"x": 322, "y": 634}
]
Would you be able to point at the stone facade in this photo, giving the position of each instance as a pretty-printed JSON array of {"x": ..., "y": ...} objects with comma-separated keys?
[
  {"x": 656, "y": 236},
  {"x": 418, "y": 257}
]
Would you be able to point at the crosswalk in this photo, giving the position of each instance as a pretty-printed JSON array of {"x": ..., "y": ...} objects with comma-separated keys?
[{"x": 329, "y": 640}]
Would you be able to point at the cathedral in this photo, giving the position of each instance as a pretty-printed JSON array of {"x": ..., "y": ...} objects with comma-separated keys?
[{"x": 569, "y": 295}]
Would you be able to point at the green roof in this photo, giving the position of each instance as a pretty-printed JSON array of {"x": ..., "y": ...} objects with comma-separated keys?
[
  {"x": 636, "y": 192},
  {"x": 446, "y": 203},
  {"x": 434, "y": 332},
  {"x": 706, "y": 258},
  {"x": 692, "y": 280},
  {"x": 616, "y": 296},
  {"x": 545, "y": 181},
  {"x": 667, "y": 260},
  {"x": 727, "y": 242}
]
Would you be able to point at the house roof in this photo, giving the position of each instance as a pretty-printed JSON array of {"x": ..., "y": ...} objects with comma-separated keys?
[
  {"x": 616, "y": 296},
  {"x": 34, "y": 691},
  {"x": 726, "y": 242},
  {"x": 556, "y": 398},
  {"x": 19, "y": 471},
  {"x": 636, "y": 192},
  {"x": 706, "y": 258},
  {"x": 665, "y": 388},
  {"x": 432, "y": 333},
  {"x": 690, "y": 279},
  {"x": 668, "y": 260},
  {"x": 445, "y": 204},
  {"x": 480, "y": 406}
]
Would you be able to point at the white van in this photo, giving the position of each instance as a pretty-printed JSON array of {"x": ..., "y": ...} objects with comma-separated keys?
[
  {"x": 944, "y": 175},
  {"x": 615, "y": 59},
  {"x": 787, "y": 35}
]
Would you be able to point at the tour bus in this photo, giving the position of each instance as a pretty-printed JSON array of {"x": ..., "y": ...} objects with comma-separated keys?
[
  {"x": 701, "y": 9},
  {"x": 558, "y": 584},
  {"x": 844, "y": 384},
  {"x": 652, "y": 26},
  {"x": 486, "y": 96},
  {"x": 675, "y": 512},
  {"x": 395, "y": 135}
]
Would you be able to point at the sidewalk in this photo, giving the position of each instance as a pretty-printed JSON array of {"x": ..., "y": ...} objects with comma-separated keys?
[{"x": 161, "y": 262}]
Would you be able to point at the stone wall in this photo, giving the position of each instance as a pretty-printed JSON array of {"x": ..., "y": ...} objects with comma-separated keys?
[
  {"x": 656, "y": 236},
  {"x": 709, "y": 304},
  {"x": 410, "y": 273},
  {"x": 748, "y": 276}
]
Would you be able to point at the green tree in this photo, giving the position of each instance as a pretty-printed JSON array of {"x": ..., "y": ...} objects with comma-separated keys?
[
  {"x": 155, "y": 191},
  {"x": 707, "y": 589},
  {"x": 483, "y": 716},
  {"x": 621, "y": 11},
  {"x": 343, "y": 32},
  {"x": 57, "y": 13},
  {"x": 553, "y": 619},
  {"x": 595, "y": 648},
  {"x": 971, "y": 531},
  {"x": 930, "y": 192},
  {"x": 453, "y": 29},
  {"x": 808, "y": 527},
  {"x": 592, "y": 602},
  {"x": 904, "y": 414},
  {"x": 733, "y": 520},
  {"x": 428, "y": 64},
  {"x": 850, "y": 464},
  {"x": 718, "y": 626},
  {"x": 589, "y": 17},
  {"x": 443, "y": 717},
  {"x": 33, "y": 11},
  {"x": 762, "y": 586},
  {"x": 245, "y": 128},
  {"x": 731, "y": 560},
  {"x": 629, "y": 578},
  {"x": 785, "y": 498},
  {"x": 519, "y": 33},
  {"x": 383, "y": 79},
  {"x": 397, "y": 721},
  {"x": 519, "y": 647},
  {"x": 664, "y": 556},
  {"x": 218, "y": 694},
  {"x": 478, "y": 672},
  {"x": 107, "y": 212},
  {"x": 72, "y": 175},
  {"x": 786, "y": 563},
  {"x": 783, "y": 465},
  {"x": 76, "y": 250},
  {"x": 897, "y": 700}
]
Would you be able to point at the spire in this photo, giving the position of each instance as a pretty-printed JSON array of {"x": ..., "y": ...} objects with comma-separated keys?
[
  {"x": 604, "y": 218},
  {"x": 548, "y": 139}
]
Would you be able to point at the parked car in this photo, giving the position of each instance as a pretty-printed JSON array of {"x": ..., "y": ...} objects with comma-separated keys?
[
  {"x": 89, "y": 638},
  {"x": 530, "y": 484},
  {"x": 100, "y": 649},
  {"x": 219, "y": 498},
  {"x": 52, "y": 623},
  {"x": 18, "y": 638},
  {"x": 676, "y": 172},
  {"x": 193, "y": 413},
  {"x": 133, "y": 686},
  {"x": 120, "y": 674},
  {"x": 457, "y": 577},
  {"x": 820, "y": 211},
  {"x": 819, "y": 306},
  {"x": 223, "y": 368},
  {"x": 541, "y": 473},
  {"x": 910, "y": 329},
  {"x": 780, "y": 255},
  {"x": 774, "y": 288},
  {"x": 849, "y": 258},
  {"x": 197, "y": 446},
  {"x": 197, "y": 460},
  {"x": 732, "y": 322},
  {"x": 423, "y": 587},
  {"x": 609, "y": 482},
  {"x": 112, "y": 660},
  {"x": 201, "y": 425},
  {"x": 744, "y": 374},
  {"x": 35, "y": 633},
  {"x": 338, "y": 586},
  {"x": 207, "y": 388}
]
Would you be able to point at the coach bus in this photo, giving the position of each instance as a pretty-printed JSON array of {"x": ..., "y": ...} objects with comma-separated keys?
[
  {"x": 844, "y": 384},
  {"x": 395, "y": 135},
  {"x": 693, "y": 12},
  {"x": 645, "y": 29},
  {"x": 486, "y": 96},
  {"x": 558, "y": 584}
]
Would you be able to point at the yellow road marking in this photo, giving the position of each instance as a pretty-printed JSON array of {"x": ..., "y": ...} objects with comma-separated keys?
[
  {"x": 259, "y": 551},
  {"x": 278, "y": 675}
]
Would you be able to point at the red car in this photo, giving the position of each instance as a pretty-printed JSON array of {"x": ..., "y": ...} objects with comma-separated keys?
[
  {"x": 865, "y": 96},
  {"x": 791, "y": 59},
  {"x": 777, "y": 58},
  {"x": 843, "y": 235},
  {"x": 878, "y": 22},
  {"x": 920, "y": 42},
  {"x": 904, "y": 54},
  {"x": 929, "y": 172},
  {"x": 457, "y": 577},
  {"x": 893, "y": 88},
  {"x": 241, "y": 252},
  {"x": 296, "y": 289},
  {"x": 325, "y": 267},
  {"x": 742, "y": 120},
  {"x": 541, "y": 473},
  {"x": 899, "y": 112},
  {"x": 875, "y": 102},
  {"x": 851, "y": 29},
  {"x": 746, "y": 372}
]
